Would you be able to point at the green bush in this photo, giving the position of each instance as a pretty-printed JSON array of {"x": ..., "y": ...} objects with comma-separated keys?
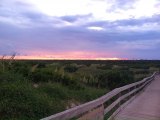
[
  {"x": 87, "y": 94},
  {"x": 142, "y": 71},
  {"x": 70, "y": 68},
  {"x": 11, "y": 77},
  {"x": 41, "y": 76},
  {"x": 55, "y": 91},
  {"x": 19, "y": 100},
  {"x": 71, "y": 83},
  {"x": 21, "y": 68},
  {"x": 49, "y": 76},
  {"x": 114, "y": 79}
]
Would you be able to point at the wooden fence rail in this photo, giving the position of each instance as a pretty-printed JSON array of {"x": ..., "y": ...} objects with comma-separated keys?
[{"x": 106, "y": 106}]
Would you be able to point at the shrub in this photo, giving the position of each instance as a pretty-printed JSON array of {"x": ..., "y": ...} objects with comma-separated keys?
[
  {"x": 11, "y": 77},
  {"x": 114, "y": 79},
  {"x": 41, "y": 76},
  {"x": 70, "y": 68},
  {"x": 19, "y": 100},
  {"x": 71, "y": 83},
  {"x": 55, "y": 91},
  {"x": 142, "y": 71}
]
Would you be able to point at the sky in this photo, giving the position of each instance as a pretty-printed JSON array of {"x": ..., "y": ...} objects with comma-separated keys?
[{"x": 80, "y": 29}]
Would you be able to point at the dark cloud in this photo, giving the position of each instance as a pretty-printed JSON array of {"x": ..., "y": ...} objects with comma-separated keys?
[
  {"x": 18, "y": 12},
  {"x": 62, "y": 39},
  {"x": 121, "y": 4},
  {"x": 69, "y": 18},
  {"x": 132, "y": 22},
  {"x": 46, "y": 33},
  {"x": 74, "y": 18},
  {"x": 22, "y": 4},
  {"x": 124, "y": 3},
  {"x": 34, "y": 16},
  {"x": 140, "y": 21}
]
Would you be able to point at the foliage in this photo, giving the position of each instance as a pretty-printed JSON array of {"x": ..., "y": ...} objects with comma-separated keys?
[
  {"x": 70, "y": 68},
  {"x": 19, "y": 100},
  {"x": 36, "y": 89},
  {"x": 114, "y": 79}
]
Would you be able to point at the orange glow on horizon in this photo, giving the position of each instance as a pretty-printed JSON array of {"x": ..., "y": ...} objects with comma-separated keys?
[
  {"x": 73, "y": 55},
  {"x": 43, "y": 58}
]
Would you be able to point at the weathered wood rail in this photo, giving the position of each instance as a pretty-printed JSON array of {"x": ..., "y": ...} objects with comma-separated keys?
[{"x": 105, "y": 107}]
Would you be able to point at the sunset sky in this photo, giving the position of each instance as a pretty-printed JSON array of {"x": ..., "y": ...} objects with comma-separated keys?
[{"x": 80, "y": 29}]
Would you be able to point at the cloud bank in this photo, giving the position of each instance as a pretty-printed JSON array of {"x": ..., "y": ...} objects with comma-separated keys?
[{"x": 84, "y": 29}]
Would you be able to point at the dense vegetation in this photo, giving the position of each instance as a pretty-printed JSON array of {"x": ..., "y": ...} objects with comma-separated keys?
[{"x": 36, "y": 89}]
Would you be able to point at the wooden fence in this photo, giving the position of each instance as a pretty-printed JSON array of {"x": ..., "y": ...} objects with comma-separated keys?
[{"x": 105, "y": 107}]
